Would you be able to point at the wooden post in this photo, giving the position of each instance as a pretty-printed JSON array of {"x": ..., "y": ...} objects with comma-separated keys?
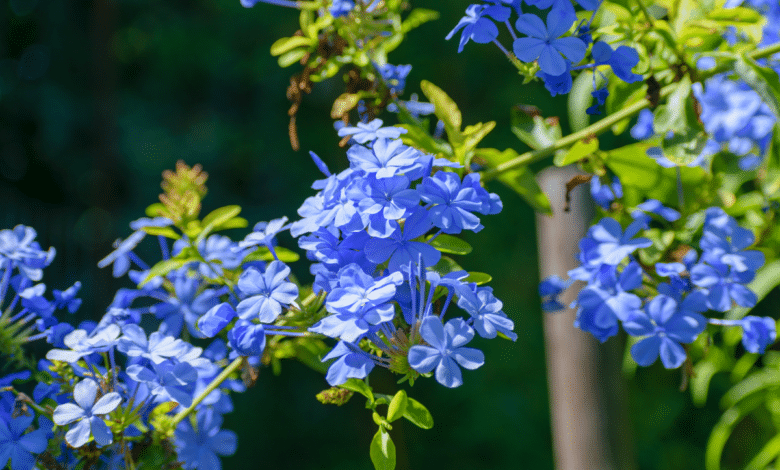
[{"x": 587, "y": 400}]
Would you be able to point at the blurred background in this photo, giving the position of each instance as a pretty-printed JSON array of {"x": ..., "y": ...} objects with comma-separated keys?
[{"x": 97, "y": 98}]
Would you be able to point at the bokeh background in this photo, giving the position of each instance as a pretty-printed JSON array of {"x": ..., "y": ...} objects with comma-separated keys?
[{"x": 98, "y": 97}]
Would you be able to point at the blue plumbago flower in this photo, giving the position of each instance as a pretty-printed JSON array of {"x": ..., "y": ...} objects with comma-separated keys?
[
  {"x": 17, "y": 446},
  {"x": 604, "y": 194},
  {"x": 758, "y": 333},
  {"x": 545, "y": 44},
  {"x": 217, "y": 318},
  {"x": 451, "y": 203},
  {"x": 622, "y": 60},
  {"x": 18, "y": 249},
  {"x": 643, "y": 129},
  {"x": 601, "y": 97},
  {"x": 157, "y": 348},
  {"x": 200, "y": 447},
  {"x": 607, "y": 300},
  {"x": 394, "y": 76},
  {"x": 268, "y": 293},
  {"x": 219, "y": 252},
  {"x": 415, "y": 107},
  {"x": 263, "y": 233},
  {"x": 400, "y": 248},
  {"x": 281, "y": 3},
  {"x": 358, "y": 303},
  {"x": 85, "y": 413},
  {"x": 123, "y": 254},
  {"x": 371, "y": 131},
  {"x": 351, "y": 362},
  {"x": 147, "y": 222},
  {"x": 246, "y": 338},
  {"x": 614, "y": 245},
  {"x": 81, "y": 343},
  {"x": 654, "y": 206},
  {"x": 486, "y": 314},
  {"x": 386, "y": 158},
  {"x": 188, "y": 302},
  {"x": 341, "y": 7},
  {"x": 557, "y": 84},
  {"x": 34, "y": 301},
  {"x": 384, "y": 201},
  {"x": 445, "y": 351},
  {"x": 666, "y": 323},
  {"x": 67, "y": 298},
  {"x": 549, "y": 290},
  {"x": 167, "y": 381},
  {"x": 477, "y": 27},
  {"x": 722, "y": 285},
  {"x": 723, "y": 242}
]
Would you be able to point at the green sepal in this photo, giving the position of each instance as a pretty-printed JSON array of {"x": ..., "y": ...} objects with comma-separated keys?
[{"x": 284, "y": 45}]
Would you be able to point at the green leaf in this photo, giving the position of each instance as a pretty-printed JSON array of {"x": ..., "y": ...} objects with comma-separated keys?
[
  {"x": 360, "y": 387},
  {"x": 763, "y": 80},
  {"x": 289, "y": 58},
  {"x": 418, "y": 414},
  {"x": 420, "y": 139},
  {"x": 580, "y": 99},
  {"x": 382, "y": 451},
  {"x": 235, "y": 222},
  {"x": 446, "y": 109},
  {"x": 766, "y": 455},
  {"x": 264, "y": 254},
  {"x": 682, "y": 149},
  {"x": 164, "y": 267},
  {"x": 446, "y": 265},
  {"x": 672, "y": 116},
  {"x": 417, "y": 17},
  {"x": 479, "y": 278},
  {"x": 723, "y": 429},
  {"x": 622, "y": 95},
  {"x": 521, "y": 180},
  {"x": 218, "y": 216},
  {"x": 164, "y": 231},
  {"x": 450, "y": 244},
  {"x": 155, "y": 209},
  {"x": 532, "y": 129},
  {"x": 581, "y": 149},
  {"x": 284, "y": 45},
  {"x": 397, "y": 406},
  {"x": 746, "y": 20},
  {"x": 344, "y": 104}
]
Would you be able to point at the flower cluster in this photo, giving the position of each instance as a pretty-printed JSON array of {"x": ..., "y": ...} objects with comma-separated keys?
[
  {"x": 558, "y": 44},
  {"x": 376, "y": 232},
  {"x": 664, "y": 304}
]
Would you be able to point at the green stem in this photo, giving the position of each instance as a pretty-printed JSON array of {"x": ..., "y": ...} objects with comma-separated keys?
[
  {"x": 601, "y": 126},
  {"x": 211, "y": 387},
  {"x": 647, "y": 14}
]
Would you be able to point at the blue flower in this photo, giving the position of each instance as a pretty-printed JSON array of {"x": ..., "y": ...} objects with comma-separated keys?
[
  {"x": 67, "y": 298},
  {"x": 341, "y": 7},
  {"x": 168, "y": 381},
  {"x": 18, "y": 249},
  {"x": 613, "y": 245},
  {"x": 395, "y": 77},
  {"x": 248, "y": 339},
  {"x": 607, "y": 299},
  {"x": 451, "y": 204},
  {"x": 371, "y": 131},
  {"x": 17, "y": 446},
  {"x": 549, "y": 290},
  {"x": 477, "y": 27},
  {"x": 654, "y": 206},
  {"x": 557, "y": 84},
  {"x": 622, "y": 60},
  {"x": 157, "y": 348},
  {"x": 386, "y": 158},
  {"x": 122, "y": 254},
  {"x": 85, "y": 413},
  {"x": 604, "y": 194},
  {"x": 263, "y": 233},
  {"x": 269, "y": 292},
  {"x": 758, "y": 333},
  {"x": 199, "y": 447},
  {"x": 445, "y": 350},
  {"x": 643, "y": 129},
  {"x": 486, "y": 314},
  {"x": 81, "y": 344},
  {"x": 217, "y": 318},
  {"x": 351, "y": 362},
  {"x": 666, "y": 324},
  {"x": 400, "y": 248},
  {"x": 543, "y": 42}
]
